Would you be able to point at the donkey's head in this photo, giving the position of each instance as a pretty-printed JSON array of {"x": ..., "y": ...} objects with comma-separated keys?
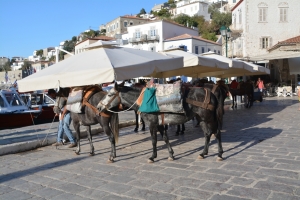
[{"x": 110, "y": 100}]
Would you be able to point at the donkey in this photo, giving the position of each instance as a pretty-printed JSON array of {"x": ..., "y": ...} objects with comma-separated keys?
[
  {"x": 199, "y": 102},
  {"x": 245, "y": 88},
  {"x": 91, "y": 116}
]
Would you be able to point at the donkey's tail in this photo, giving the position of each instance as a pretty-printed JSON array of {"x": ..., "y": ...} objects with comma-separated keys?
[{"x": 114, "y": 123}]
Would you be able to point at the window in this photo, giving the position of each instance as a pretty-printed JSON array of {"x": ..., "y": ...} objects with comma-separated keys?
[
  {"x": 234, "y": 1},
  {"x": 215, "y": 51},
  {"x": 125, "y": 24},
  {"x": 283, "y": 14},
  {"x": 196, "y": 50},
  {"x": 208, "y": 49},
  {"x": 203, "y": 50},
  {"x": 130, "y": 23},
  {"x": 117, "y": 24},
  {"x": 240, "y": 16},
  {"x": 265, "y": 42},
  {"x": 218, "y": 52},
  {"x": 152, "y": 32},
  {"x": 262, "y": 12},
  {"x": 138, "y": 34}
]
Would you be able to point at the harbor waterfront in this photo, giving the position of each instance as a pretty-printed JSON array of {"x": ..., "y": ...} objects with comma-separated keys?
[{"x": 261, "y": 160}]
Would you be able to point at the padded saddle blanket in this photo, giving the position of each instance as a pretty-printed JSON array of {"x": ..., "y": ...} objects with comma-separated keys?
[
  {"x": 74, "y": 102},
  {"x": 168, "y": 97}
]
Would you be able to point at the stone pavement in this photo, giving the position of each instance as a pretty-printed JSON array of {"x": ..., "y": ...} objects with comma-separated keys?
[{"x": 261, "y": 161}]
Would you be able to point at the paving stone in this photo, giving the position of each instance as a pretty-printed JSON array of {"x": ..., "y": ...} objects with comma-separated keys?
[
  {"x": 15, "y": 194},
  {"x": 275, "y": 187},
  {"x": 144, "y": 183},
  {"x": 226, "y": 197},
  {"x": 240, "y": 181},
  {"x": 93, "y": 194},
  {"x": 215, "y": 187},
  {"x": 12, "y": 181},
  {"x": 5, "y": 189},
  {"x": 86, "y": 181},
  {"x": 148, "y": 194},
  {"x": 68, "y": 196},
  {"x": 282, "y": 196},
  {"x": 260, "y": 163},
  {"x": 28, "y": 187},
  {"x": 277, "y": 172},
  {"x": 225, "y": 172},
  {"x": 37, "y": 179},
  {"x": 249, "y": 192},
  {"x": 47, "y": 193},
  {"x": 241, "y": 168},
  {"x": 211, "y": 177},
  {"x": 72, "y": 188},
  {"x": 174, "y": 165},
  {"x": 193, "y": 183},
  {"x": 163, "y": 187},
  {"x": 115, "y": 188},
  {"x": 154, "y": 176},
  {"x": 286, "y": 181},
  {"x": 193, "y": 193},
  {"x": 115, "y": 197},
  {"x": 290, "y": 167},
  {"x": 177, "y": 172},
  {"x": 286, "y": 161}
]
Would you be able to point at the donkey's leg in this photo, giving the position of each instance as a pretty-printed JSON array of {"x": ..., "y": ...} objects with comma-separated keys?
[
  {"x": 143, "y": 123},
  {"x": 220, "y": 148},
  {"x": 207, "y": 134},
  {"x": 89, "y": 134},
  {"x": 166, "y": 139},
  {"x": 111, "y": 137},
  {"x": 235, "y": 101},
  {"x": 153, "y": 132},
  {"x": 76, "y": 126},
  {"x": 182, "y": 129},
  {"x": 136, "y": 122},
  {"x": 178, "y": 130}
]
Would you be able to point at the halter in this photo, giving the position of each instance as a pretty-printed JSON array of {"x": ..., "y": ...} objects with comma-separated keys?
[{"x": 120, "y": 104}]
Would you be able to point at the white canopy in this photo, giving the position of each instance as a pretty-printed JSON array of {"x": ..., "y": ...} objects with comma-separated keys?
[
  {"x": 236, "y": 67},
  {"x": 194, "y": 65},
  {"x": 98, "y": 66}
]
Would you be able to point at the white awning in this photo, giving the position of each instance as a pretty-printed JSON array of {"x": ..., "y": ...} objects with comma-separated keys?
[{"x": 276, "y": 55}]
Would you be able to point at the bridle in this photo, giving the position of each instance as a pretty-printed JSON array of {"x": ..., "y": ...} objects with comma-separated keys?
[{"x": 119, "y": 103}]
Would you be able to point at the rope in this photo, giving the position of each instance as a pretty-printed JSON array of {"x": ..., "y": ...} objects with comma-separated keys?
[{"x": 48, "y": 130}]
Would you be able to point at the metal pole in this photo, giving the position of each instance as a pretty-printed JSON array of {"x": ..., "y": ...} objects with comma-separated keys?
[{"x": 226, "y": 45}]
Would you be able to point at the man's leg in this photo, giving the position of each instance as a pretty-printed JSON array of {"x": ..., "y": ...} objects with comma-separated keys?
[
  {"x": 59, "y": 134},
  {"x": 66, "y": 126}
]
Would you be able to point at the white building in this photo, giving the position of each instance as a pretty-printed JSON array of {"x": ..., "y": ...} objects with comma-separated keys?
[
  {"x": 80, "y": 46},
  {"x": 193, "y": 44},
  {"x": 151, "y": 36},
  {"x": 193, "y": 7},
  {"x": 257, "y": 25}
]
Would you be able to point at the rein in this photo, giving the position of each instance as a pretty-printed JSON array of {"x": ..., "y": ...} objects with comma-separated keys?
[{"x": 120, "y": 103}]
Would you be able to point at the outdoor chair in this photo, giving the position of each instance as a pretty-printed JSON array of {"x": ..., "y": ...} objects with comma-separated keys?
[{"x": 279, "y": 91}]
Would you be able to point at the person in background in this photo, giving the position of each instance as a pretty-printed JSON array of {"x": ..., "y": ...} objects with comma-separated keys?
[
  {"x": 64, "y": 124},
  {"x": 234, "y": 84},
  {"x": 52, "y": 93},
  {"x": 260, "y": 84}
]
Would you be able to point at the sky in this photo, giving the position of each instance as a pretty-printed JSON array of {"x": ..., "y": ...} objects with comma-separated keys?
[{"x": 29, "y": 25}]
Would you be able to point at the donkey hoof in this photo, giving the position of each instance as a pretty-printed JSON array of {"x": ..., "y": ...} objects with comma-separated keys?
[
  {"x": 171, "y": 159},
  {"x": 92, "y": 154},
  {"x": 77, "y": 153},
  {"x": 110, "y": 161},
  {"x": 200, "y": 157},
  {"x": 143, "y": 129},
  {"x": 135, "y": 130},
  {"x": 150, "y": 160},
  {"x": 219, "y": 158}
]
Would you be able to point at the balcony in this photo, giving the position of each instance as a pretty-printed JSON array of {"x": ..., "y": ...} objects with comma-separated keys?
[
  {"x": 143, "y": 38},
  {"x": 236, "y": 30}
]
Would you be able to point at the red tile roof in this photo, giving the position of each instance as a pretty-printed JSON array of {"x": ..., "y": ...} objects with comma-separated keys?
[
  {"x": 236, "y": 5},
  {"x": 290, "y": 41},
  {"x": 187, "y": 36}
]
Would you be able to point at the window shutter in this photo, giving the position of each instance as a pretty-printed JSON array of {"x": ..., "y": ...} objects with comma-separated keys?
[
  {"x": 265, "y": 14},
  {"x": 260, "y": 15},
  {"x": 156, "y": 31},
  {"x": 270, "y": 42},
  {"x": 149, "y": 33},
  {"x": 260, "y": 43}
]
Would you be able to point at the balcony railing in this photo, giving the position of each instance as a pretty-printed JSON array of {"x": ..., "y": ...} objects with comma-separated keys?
[{"x": 144, "y": 38}]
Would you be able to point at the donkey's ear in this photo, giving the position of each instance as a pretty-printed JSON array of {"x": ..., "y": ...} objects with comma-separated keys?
[{"x": 116, "y": 86}]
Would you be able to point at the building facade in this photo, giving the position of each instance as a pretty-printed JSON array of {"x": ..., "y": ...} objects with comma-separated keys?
[
  {"x": 80, "y": 46},
  {"x": 151, "y": 36},
  {"x": 193, "y": 7},
  {"x": 193, "y": 44},
  {"x": 259, "y": 24},
  {"x": 120, "y": 24}
]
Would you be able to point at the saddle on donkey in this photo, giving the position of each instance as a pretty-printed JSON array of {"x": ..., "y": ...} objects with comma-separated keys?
[{"x": 161, "y": 98}]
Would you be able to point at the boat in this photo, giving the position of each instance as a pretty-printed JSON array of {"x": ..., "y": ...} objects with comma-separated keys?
[
  {"x": 13, "y": 111},
  {"x": 39, "y": 100}
]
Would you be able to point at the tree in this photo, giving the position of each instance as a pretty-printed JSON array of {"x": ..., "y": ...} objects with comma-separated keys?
[
  {"x": 103, "y": 32},
  {"x": 163, "y": 13},
  {"x": 221, "y": 19},
  {"x": 142, "y": 11},
  {"x": 186, "y": 20},
  {"x": 5, "y": 67},
  {"x": 172, "y": 3},
  {"x": 39, "y": 52},
  {"x": 26, "y": 65}
]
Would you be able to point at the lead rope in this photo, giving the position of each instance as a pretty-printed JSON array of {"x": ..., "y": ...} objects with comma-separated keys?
[{"x": 126, "y": 109}]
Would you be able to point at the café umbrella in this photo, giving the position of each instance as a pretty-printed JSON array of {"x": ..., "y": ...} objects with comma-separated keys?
[{"x": 102, "y": 64}]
